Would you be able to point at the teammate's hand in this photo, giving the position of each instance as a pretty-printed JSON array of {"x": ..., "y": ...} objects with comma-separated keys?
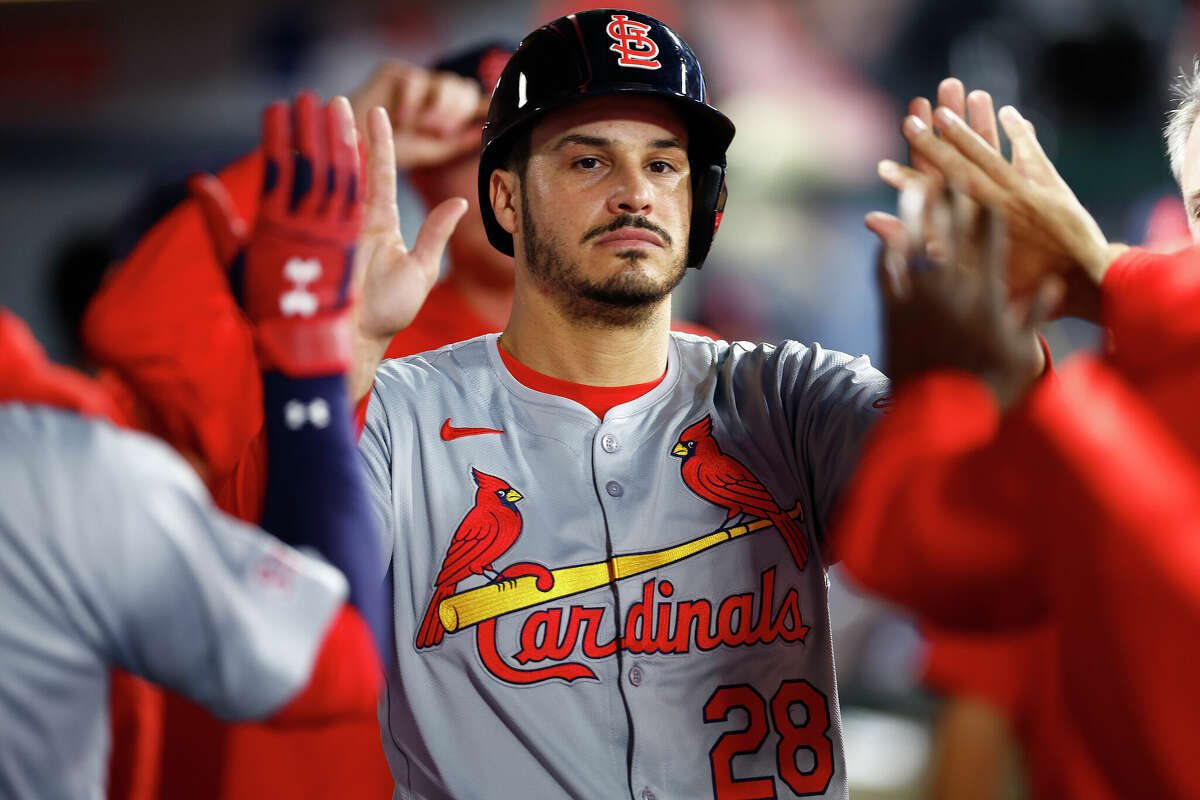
[
  {"x": 391, "y": 280},
  {"x": 1050, "y": 231},
  {"x": 977, "y": 108},
  {"x": 436, "y": 117},
  {"x": 291, "y": 275},
  {"x": 952, "y": 310}
]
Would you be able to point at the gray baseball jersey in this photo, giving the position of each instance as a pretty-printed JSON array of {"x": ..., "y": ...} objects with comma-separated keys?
[
  {"x": 111, "y": 553},
  {"x": 627, "y": 607}
]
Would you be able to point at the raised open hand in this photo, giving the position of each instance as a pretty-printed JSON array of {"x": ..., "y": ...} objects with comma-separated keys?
[
  {"x": 952, "y": 310},
  {"x": 977, "y": 107},
  {"x": 391, "y": 280},
  {"x": 1050, "y": 231}
]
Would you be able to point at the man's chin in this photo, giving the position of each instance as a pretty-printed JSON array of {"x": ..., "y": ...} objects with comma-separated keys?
[{"x": 633, "y": 267}]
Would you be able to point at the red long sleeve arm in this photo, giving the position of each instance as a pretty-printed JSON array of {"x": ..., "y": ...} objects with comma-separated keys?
[
  {"x": 1149, "y": 303},
  {"x": 1106, "y": 542},
  {"x": 1122, "y": 574},
  {"x": 167, "y": 323},
  {"x": 931, "y": 519},
  {"x": 1151, "y": 307}
]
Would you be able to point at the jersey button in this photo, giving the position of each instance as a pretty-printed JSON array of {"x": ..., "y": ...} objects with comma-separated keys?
[
  {"x": 610, "y": 443},
  {"x": 647, "y": 793},
  {"x": 635, "y": 675},
  {"x": 614, "y": 489}
]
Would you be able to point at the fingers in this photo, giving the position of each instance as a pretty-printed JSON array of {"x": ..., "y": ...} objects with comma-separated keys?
[
  {"x": 919, "y": 107},
  {"x": 434, "y": 102},
  {"x": 892, "y": 270},
  {"x": 967, "y": 158},
  {"x": 1027, "y": 150},
  {"x": 1046, "y": 300},
  {"x": 991, "y": 252},
  {"x": 968, "y": 223},
  {"x": 481, "y": 107},
  {"x": 452, "y": 103},
  {"x": 379, "y": 88},
  {"x": 952, "y": 95},
  {"x": 343, "y": 160},
  {"x": 380, "y": 213},
  {"x": 892, "y": 275},
  {"x": 408, "y": 97},
  {"x": 437, "y": 229},
  {"x": 982, "y": 116},
  {"x": 898, "y": 176},
  {"x": 311, "y": 181},
  {"x": 225, "y": 227},
  {"x": 277, "y": 150},
  {"x": 889, "y": 229}
]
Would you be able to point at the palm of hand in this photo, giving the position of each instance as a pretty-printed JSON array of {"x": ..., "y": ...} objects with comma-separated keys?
[{"x": 393, "y": 282}]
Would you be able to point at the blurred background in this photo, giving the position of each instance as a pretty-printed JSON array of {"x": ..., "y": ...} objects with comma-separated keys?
[{"x": 106, "y": 105}]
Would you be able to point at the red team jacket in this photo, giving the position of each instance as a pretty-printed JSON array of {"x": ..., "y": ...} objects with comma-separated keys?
[
  {"x": 167, "y": 323},
  {"x": 1079, "y": 513}
]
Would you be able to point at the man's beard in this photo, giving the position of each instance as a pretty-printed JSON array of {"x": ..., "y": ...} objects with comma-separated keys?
[{"x": 627, "y": 299}]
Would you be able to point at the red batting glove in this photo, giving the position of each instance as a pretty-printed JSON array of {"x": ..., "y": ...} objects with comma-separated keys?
[{"x": 292, "y": 274}]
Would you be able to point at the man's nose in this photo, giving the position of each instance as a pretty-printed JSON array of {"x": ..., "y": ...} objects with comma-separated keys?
[{"x": 631, "y": 192}]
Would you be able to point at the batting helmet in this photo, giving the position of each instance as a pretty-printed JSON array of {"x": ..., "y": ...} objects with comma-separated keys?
[{"x": 608, "y": 52}]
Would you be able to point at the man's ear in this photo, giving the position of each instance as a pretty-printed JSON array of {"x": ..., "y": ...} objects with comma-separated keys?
[{"x": 503, "y": 195}]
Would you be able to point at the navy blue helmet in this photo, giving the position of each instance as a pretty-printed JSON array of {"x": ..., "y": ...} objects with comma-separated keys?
[{"x": 608, "y": 52}]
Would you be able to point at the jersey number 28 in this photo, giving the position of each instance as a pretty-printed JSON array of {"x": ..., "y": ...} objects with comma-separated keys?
[{"x": 812, "y": 735}]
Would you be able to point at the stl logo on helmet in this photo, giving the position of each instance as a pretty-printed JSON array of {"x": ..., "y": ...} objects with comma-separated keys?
[{"x": 630, "y": 40}]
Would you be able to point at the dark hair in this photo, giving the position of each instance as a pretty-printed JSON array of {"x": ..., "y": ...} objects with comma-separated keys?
[{"x": 517, "y": 159}]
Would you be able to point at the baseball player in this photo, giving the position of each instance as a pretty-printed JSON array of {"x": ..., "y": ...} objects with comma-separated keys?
[
  {"x": 607, "y": 540},
  {"x": 1104, "y": 477},
  {"x": 170, "y": 271},
  {"x": 112, "y": 552}
]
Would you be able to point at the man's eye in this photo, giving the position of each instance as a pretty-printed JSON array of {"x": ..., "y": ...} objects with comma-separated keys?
[
  {"x": 588, "y": 162},
  {"x": 661, "y": 166}
]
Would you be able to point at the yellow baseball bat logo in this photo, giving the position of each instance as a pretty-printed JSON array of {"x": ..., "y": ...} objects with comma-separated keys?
[{"x": 477, "y": 605}]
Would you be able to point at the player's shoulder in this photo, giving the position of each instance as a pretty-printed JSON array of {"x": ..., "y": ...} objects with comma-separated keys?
[
  {"x": 66, "y": 446},
  {"x": 745, "y": 354},
  {"x": 422, "y": 383},
  {"x": 450, "y": 363}
]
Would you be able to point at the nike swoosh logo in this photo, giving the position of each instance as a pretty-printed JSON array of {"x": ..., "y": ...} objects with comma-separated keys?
[{"x": 449, "y": 432}]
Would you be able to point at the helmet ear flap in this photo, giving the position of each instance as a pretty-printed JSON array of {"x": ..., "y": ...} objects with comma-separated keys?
[{"x": 709, "y": 191}]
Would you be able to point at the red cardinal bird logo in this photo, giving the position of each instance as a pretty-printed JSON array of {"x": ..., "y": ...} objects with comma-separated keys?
[
  {"x": 722, "y": 479},
  {"x": 485, "y": 533}
]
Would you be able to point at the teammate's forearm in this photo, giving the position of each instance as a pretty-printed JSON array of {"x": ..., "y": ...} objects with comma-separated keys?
[{"x": 315, "y": 495}]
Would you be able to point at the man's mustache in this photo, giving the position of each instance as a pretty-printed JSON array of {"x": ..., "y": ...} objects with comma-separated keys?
[{"x": 627, "y": 221}]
